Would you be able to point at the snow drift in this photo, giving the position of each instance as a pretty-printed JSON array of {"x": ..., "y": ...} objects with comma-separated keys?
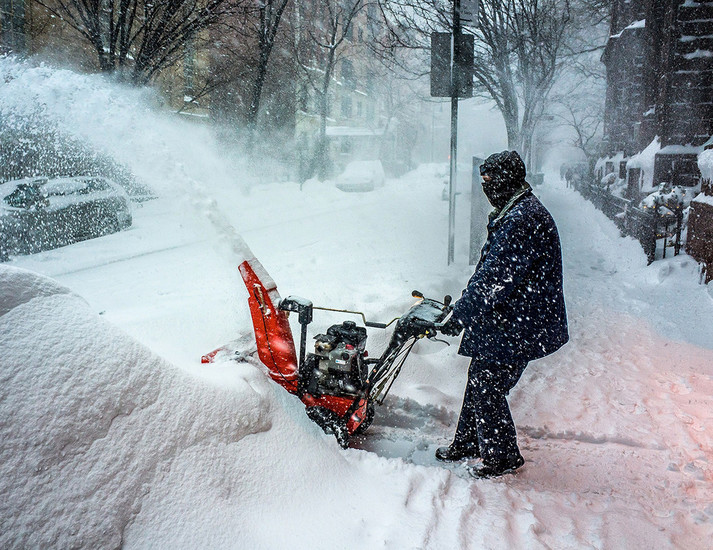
[{"x": 93, "y": 421}]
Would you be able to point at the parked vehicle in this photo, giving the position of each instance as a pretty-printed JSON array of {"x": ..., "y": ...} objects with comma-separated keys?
[
  {"x": 39, "y": 213},
  {"x": 361, "y": 175}
]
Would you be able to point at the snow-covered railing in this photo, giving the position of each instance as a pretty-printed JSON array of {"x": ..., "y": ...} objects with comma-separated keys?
[{"x": 657, "y": 228}]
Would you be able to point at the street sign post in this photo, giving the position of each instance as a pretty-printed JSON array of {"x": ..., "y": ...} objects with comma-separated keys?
[
  {"x": 469, "y": 12},
  {"x": 452, "y": 76},
  {"x": 441, "y": 64}
]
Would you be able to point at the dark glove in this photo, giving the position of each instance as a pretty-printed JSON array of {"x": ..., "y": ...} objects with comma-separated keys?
[{"x": 452, "y": 327}]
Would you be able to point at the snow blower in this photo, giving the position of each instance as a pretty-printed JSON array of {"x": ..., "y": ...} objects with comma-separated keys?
[{"x": 338, "y": 383}]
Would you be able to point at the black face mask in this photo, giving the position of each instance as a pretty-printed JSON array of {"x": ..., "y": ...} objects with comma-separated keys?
[
  {"x": 497, "y": 192},
  {"x": 507, "y": 174}
]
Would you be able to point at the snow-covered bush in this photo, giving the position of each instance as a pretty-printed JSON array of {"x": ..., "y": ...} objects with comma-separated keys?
[
  {"x": 666, "y": 197},
  {"x": 613, "y": 184},
  {"x": 608, "y": 180}
]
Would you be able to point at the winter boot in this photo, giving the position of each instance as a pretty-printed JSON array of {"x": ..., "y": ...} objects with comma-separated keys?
[
  {"x": 497, "y": 469},
  {"x": 456, "y": 452}
]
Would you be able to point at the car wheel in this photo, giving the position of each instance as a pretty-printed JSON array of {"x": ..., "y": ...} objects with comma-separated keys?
[
  {"x": 128, "y": 220},
  {"x": 110, "y": 225}
]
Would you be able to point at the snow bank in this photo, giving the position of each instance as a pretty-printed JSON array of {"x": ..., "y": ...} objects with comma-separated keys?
[
  {"x": 645, "y": 161},
  {"x": 105, "y": 445},
  {"x": 92, "y": 422}
]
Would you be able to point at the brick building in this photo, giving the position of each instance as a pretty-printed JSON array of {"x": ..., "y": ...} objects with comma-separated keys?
[{"x": 659, "y": 61}]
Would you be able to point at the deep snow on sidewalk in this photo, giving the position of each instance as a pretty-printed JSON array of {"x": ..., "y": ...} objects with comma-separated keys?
[{"x": 113, "y": 434}]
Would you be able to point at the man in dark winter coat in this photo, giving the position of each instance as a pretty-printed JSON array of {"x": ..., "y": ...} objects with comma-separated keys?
[{"x": 512, "y": 311}]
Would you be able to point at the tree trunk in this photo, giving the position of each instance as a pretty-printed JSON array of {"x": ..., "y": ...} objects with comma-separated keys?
[
  {"x": 512, "y": 126},
  {"x": 321, "y": 155},
  {"x": 321, "y": 152}
]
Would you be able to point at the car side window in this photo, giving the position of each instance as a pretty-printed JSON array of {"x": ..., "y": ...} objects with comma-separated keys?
[{"x": 61, "y": 188}]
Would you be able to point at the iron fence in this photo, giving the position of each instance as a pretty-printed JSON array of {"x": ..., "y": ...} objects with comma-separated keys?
[{"x": 650, "y": 226}]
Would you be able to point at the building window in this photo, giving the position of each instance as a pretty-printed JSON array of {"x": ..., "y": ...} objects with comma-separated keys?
[
  {"x": 370, "y": 112},
  {"x": 372, "y": 18},
  {"x": 348, "y": 7},
  {"x": 349, "y": 31},
  {"x": 348, "y": 74},
  {"x": 347, "y": 106},
  {"x": 370, "y": 82}
]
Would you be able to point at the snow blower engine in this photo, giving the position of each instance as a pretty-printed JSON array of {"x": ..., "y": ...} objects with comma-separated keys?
[{"x": 338, "y": 383}]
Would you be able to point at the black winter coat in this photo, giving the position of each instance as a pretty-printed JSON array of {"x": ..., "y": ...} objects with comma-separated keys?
[{"x": 513, "y": 307}]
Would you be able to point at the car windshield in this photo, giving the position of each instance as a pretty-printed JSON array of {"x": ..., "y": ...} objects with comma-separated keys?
[
  {"x": 24, "y": 196},
  {"x": 97, "y": 184}
]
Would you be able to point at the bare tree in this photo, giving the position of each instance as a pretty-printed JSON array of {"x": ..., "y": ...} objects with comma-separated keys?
[
  {"x": 264, "y": 24},
  {"x": 595, "y": 11},
  {"x": 322, "y": 27},
  {"x": 577, "y": 101},
  {"x": 248, "y": 49},
  {"x": 583, "y": 114},
  {"x": 136, "y": 39},
  {"x": 539, "y": 31},
  {"x": 518, "y": 52}
]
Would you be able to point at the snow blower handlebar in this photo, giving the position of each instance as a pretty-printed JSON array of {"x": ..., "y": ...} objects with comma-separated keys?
[
  {"x": 423, "y": 319},
  {"x": 304, "y": 308},
  {"x": 370, "y": 324}
]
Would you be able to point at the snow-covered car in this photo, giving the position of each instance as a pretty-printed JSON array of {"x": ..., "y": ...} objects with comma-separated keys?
[
  {"x": 361, "y": 175},
  {"x": 39, "y": 213}
]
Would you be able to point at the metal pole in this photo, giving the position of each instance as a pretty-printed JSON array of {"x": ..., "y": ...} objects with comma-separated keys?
[
  {"x": 433, "y": 126},
  {"x": 454, "y": 133}
]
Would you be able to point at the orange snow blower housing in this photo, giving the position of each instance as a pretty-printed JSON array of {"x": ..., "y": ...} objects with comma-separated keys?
[{"x": 338, "y": 383}]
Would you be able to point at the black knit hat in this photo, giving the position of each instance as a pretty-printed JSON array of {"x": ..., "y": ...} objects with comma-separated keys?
[{"x": 506, "y": 165}]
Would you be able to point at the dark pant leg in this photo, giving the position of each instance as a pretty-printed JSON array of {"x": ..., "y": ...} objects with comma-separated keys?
[
  {"x": 466, "y": 431},
  {"x": 485, "y": 421}
]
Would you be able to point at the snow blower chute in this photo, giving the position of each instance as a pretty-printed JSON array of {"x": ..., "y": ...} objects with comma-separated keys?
[{"x": 338, "y": 383}]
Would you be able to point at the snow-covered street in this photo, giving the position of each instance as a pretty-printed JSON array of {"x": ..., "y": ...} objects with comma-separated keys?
[{"x": 114, "y": 435}]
